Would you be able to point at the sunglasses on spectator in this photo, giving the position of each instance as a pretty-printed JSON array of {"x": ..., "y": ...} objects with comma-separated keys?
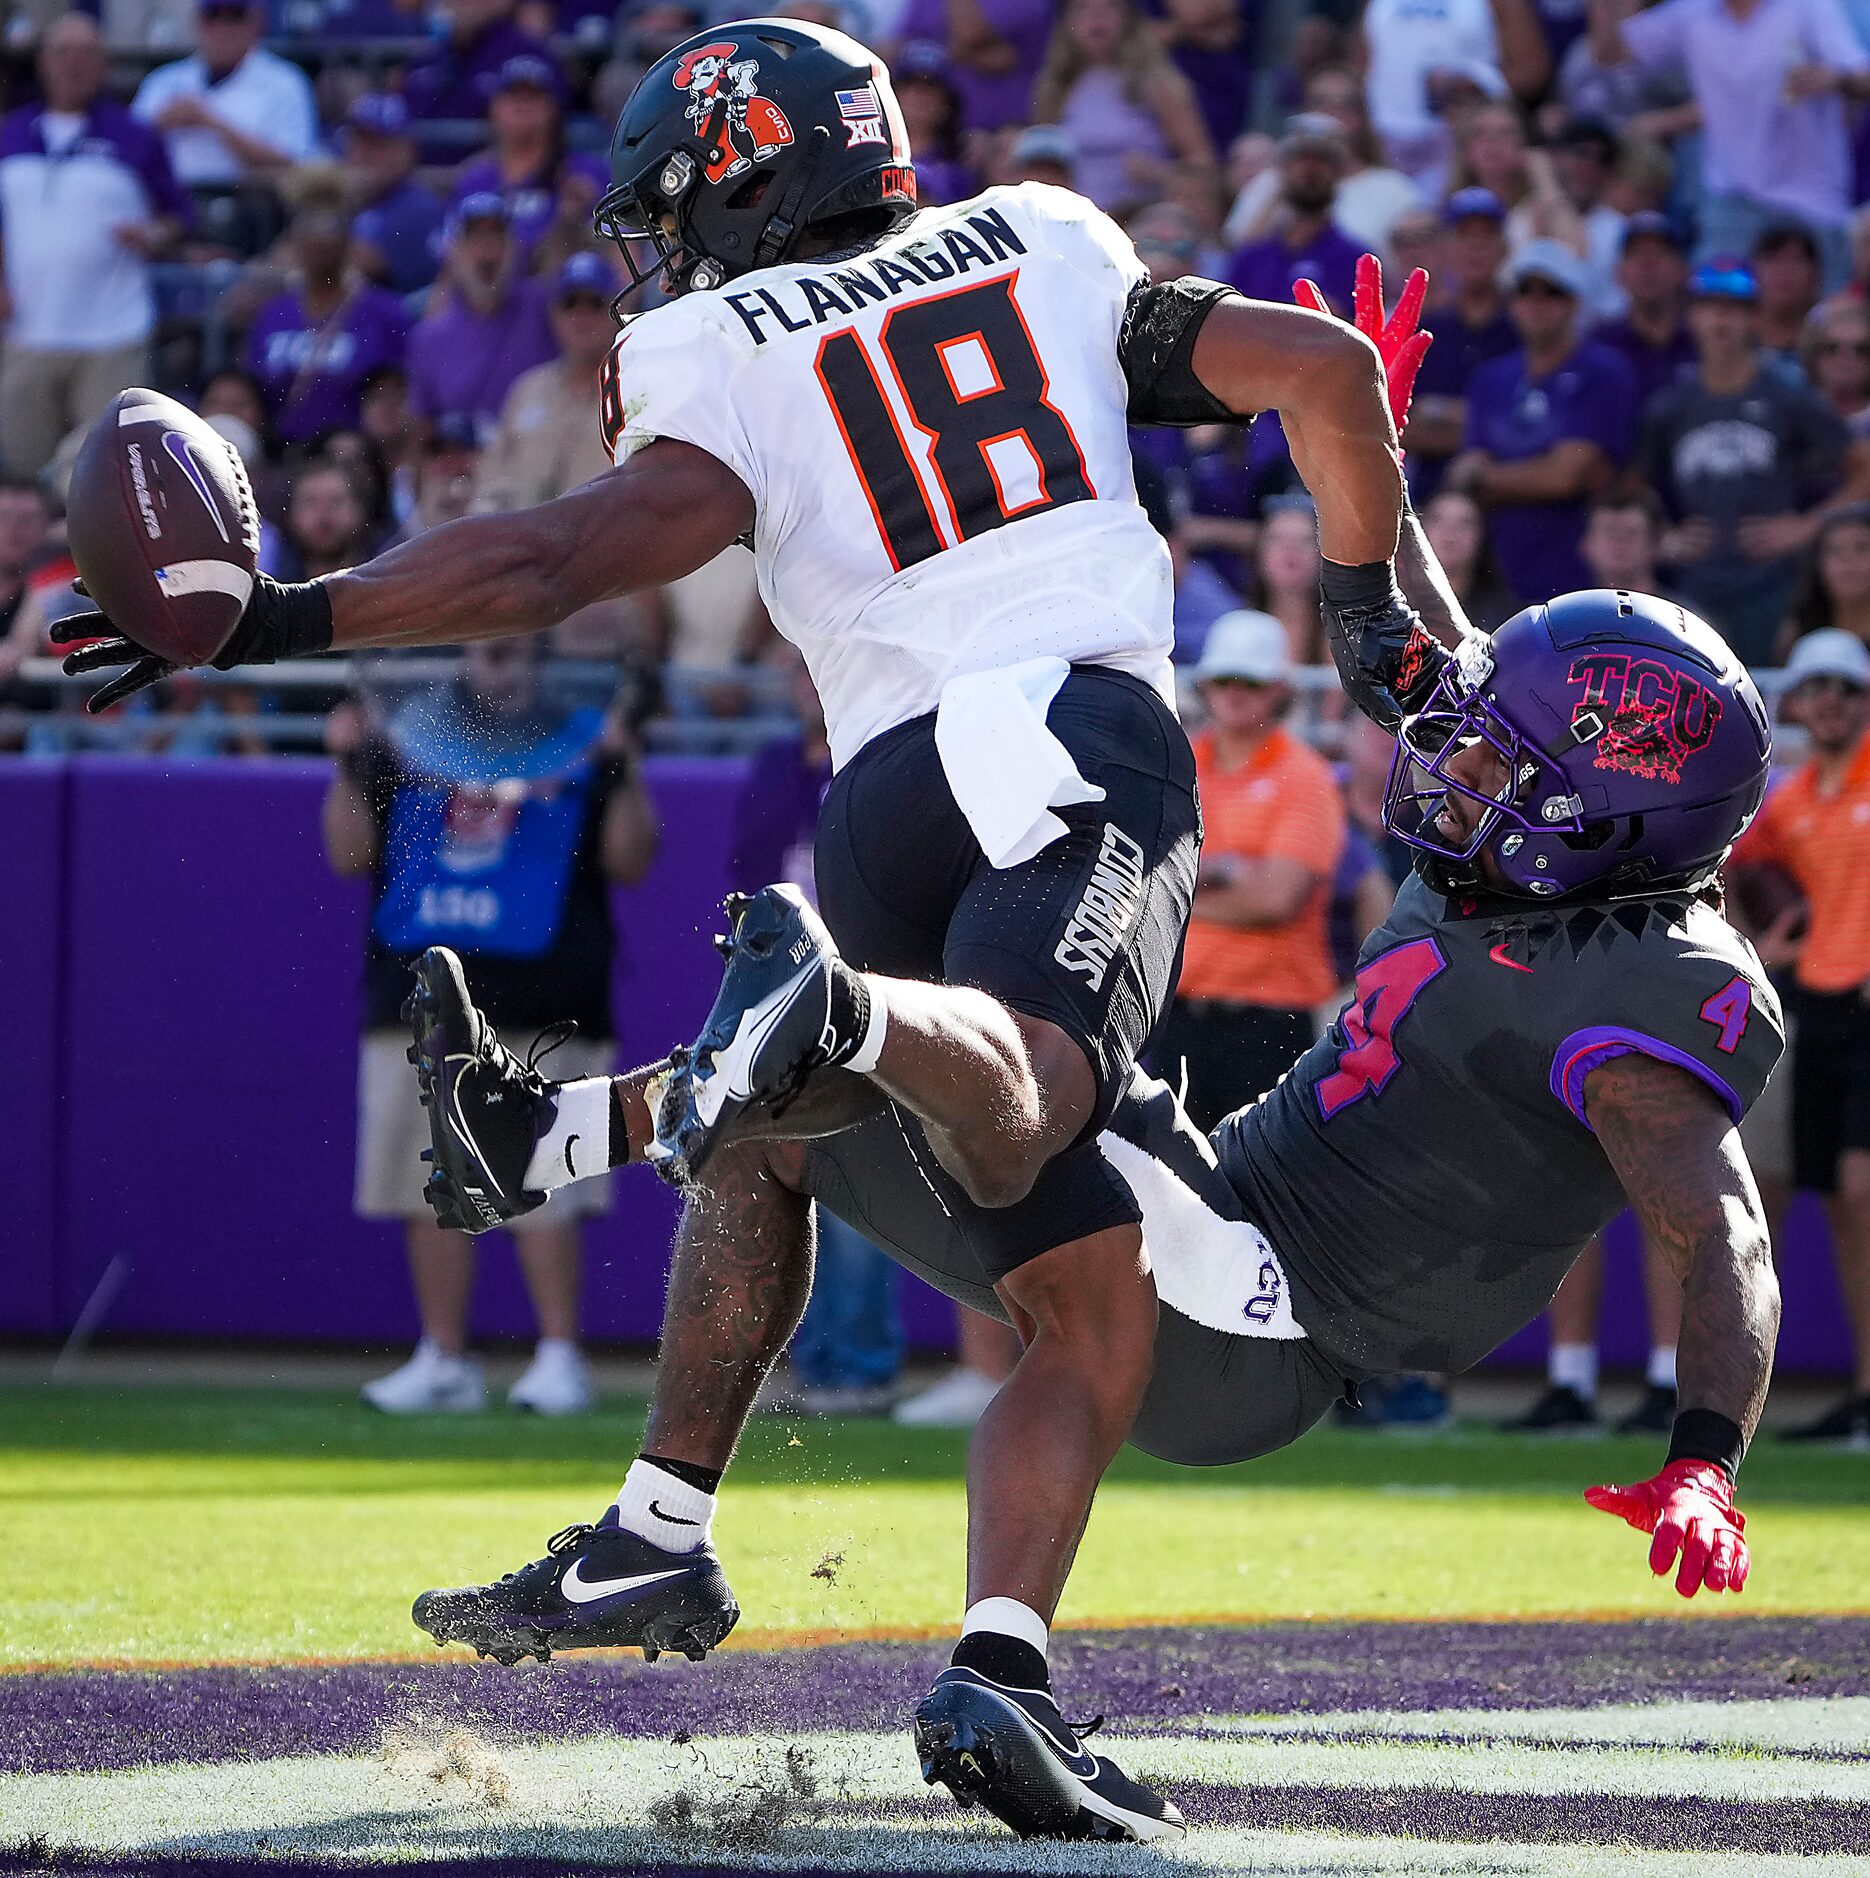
[
  {"x": 224, "y": 13},
  {"x": 587, "y": 300},
  {"x": 1859, "y": 346},
  {"x": 1534, "y": 287},
  {"x": 1830, "y": 685}
]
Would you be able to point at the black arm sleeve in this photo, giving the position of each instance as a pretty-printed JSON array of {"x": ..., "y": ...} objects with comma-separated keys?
[{"x": 1156, "y": 347}]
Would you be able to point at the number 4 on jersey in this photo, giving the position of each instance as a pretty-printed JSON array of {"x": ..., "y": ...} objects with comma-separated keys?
[
  {"x": 1386, "y": 988},
  {"x": 972, "y": 383}
]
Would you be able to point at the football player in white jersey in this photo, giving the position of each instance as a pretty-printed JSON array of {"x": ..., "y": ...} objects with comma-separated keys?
[{"x": 918, "y": 422}]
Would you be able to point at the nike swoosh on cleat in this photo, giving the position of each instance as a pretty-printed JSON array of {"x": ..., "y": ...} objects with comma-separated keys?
[
  {"x": 569, "y": 1145},
  {"x": 580, "y": 1590},
  {"x": 670, "y": 1517},
  {"x": 460, "y": 1122},
  {"x": 1498, "y": 955}
]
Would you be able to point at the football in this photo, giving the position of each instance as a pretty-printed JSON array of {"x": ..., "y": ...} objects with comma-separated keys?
[{"x": 163, "y": 526}]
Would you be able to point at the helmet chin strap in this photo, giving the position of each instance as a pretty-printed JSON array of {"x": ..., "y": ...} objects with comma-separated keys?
[{"x": 783, "y": 224}]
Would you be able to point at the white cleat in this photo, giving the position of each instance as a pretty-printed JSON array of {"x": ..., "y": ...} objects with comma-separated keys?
[
  {"x": 557, "y": 1382},
  {"x": 959, "y": 1400},
  {"x": 430, "y": 1383}
]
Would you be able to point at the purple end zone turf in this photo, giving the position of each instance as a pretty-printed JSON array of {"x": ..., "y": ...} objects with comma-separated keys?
[{"x": 1142, "y": 1679}]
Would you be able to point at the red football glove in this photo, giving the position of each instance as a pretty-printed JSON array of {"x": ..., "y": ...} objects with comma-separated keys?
[
  {"x": 1689, "y": 1506},
  {"x": 1396, "y": 338}
]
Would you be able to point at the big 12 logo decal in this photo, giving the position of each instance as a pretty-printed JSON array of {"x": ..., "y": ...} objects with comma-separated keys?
[
  {"x": 724, "y": 102},
  {"x": 1653, "y": 718}
]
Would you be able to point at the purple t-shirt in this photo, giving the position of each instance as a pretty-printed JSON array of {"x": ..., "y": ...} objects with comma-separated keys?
[
  {"x": 313, "y": 374},
  {"x": 1223, "y": 83},
  {"x": 1269, "y": 270},
  {"x": 1653, "y": 367},
  {"x": 460, "y": 360},
  {"x": 533, "y": 203},
  {"x": 459, "y": 81},
  {"x": 991, "y": 102},
  {"x": 1512, "y": 416},
  {"x": 404, "y": 226}
]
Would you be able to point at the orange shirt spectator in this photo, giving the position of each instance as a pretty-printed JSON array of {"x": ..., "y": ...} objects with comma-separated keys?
[
  {"x": 1257, "y": 958},
  {"x": 1816, "y": 824}
]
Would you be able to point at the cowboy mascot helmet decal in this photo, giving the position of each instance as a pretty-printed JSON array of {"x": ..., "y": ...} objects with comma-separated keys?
[{"x": 724, "y": 104}]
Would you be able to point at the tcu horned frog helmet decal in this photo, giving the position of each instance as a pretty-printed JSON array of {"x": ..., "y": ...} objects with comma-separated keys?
[
  {"x": 741, "y": 139},
  {"x": 1634, "y": 745}
]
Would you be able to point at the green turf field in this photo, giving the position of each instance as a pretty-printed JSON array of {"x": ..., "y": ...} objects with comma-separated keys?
[{"x": 192, "y": 1525}]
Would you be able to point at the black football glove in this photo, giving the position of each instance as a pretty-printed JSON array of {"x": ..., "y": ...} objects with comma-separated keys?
[
  {"x": 281, "y": 621},
  {"x": 1387, "y": 660}
]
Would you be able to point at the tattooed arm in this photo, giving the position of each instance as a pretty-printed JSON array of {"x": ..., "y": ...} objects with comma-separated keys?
[{"x": 1679, "y": 1157}]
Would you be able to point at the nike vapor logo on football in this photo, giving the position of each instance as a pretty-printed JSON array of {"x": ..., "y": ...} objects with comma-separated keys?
[{"x": 581, "y": 1590}]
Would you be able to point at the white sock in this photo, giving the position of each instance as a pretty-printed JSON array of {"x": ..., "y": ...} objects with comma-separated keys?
[
  {"x": 870, "y": 1052},
  {"x": 1574, "y": 1366},
  {"x": 668, "y": 1512},
  {"x": 1661, "y": 1374},
  {"x": 1009, "y": 1618},
  {"x": 557, "y": 1347},
  {"x": 578, "y": 1142}
]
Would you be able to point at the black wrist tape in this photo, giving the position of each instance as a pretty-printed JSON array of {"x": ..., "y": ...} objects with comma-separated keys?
[
  {"x": 281, "y": 622},
  {"x": 1367, "y": 588},
  {"x": 1705, "y": 1435}
]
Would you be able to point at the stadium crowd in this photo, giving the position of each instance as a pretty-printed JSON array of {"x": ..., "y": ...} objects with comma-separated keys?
[{"x": 356, "y": 235}]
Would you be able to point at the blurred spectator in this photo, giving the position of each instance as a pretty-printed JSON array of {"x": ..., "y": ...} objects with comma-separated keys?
[
  {"x": 1815, "y": 827},
  {"x": 1286, "y": 576},
  {"x": 327, "y": 525},
  {"x": 235, "y": 392},
  {"x": 1471, "y": 329},
  {"x": 396, "y": 235},
  {"x": 1129, "y": 112},
  {"x": 846, "y": 1353},
  {"x": 86, "y": 199},
  {"x": 313, "y": 346},
  {"x": 1623, "y": 542},
  {"x": 1168, "y": 240},
  {"x": 1786, "y": 265},
  {"x": 458, "y": 82},
  {"x": 995, "y": 49},
  {"x": 1370, "y": 197},
  {"x": 1835, "y": 355},
  {"x": 931, "y": 106},
  {"x": 546, "y": 441},
  {"x": 1211, "y": 43},
  {"x": 444, "y": 473},
  {"x": 1652, "y": 335},
  {"x": 1456, "y": 527},
  {"x": 1835, "y": 592},
  {"x": 1547, "y": 427},
  {"x": 1416, "y": 241},
  {"x": 1256, "y": 960},
  {"x": 1597, "y": 79},
  {"x": 385, "y": 418},
  {"x": 490, "y": 822},
  {"x": 234, "y": 110},
  {"x": 490, "y": 326},
  {"x": 549, "y": 191},
  {"x": 1306, "y": 243},
  {"x": 1585, "y": 153},
  {"x": 1422, "y": 56},
  {"x": 25, "y": 519},
  {"x": 1770, "y": 79},
  {"x": 1043, "y": 153},
  {"x": 1745, "y": 462}
]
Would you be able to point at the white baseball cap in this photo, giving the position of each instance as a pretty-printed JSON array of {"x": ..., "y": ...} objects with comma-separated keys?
[
  {"x": 1830, "y": 652},
  {"x": 1245, "y": 644}
]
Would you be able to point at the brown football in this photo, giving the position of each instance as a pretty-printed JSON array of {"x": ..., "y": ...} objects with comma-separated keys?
[{"x": 163, "y": 526}]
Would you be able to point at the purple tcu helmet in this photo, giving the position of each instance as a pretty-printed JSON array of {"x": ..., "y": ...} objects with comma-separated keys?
[{"x": 1636, "y": 744}]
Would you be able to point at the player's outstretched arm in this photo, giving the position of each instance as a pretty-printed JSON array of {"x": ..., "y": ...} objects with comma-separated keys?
[
  {"x": 1678, "y": 1154},
  {"x": 669, "y": 510}
]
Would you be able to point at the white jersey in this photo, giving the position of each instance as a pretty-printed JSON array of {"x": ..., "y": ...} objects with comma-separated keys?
[{"x": 933, "y": 432}]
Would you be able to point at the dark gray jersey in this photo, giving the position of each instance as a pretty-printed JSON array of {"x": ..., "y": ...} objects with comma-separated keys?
[{"x": 1426, "y": 1170}]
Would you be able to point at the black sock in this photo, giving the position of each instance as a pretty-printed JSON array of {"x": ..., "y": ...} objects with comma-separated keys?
[
  {"x": 702, "y": 1479},
  {"x": 1002, "y": 1658}
]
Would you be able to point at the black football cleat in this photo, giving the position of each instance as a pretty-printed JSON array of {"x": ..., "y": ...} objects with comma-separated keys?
[
  {"x": 1653, "y": 1415},
  {"x": 1561, "y": 1410},
  {"x": 786, "y": 1007},
  {"x": 486, "y": 1108},
  {"x": 1010, "y": 1751},
  {"x": 598, "y": 1587}
]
